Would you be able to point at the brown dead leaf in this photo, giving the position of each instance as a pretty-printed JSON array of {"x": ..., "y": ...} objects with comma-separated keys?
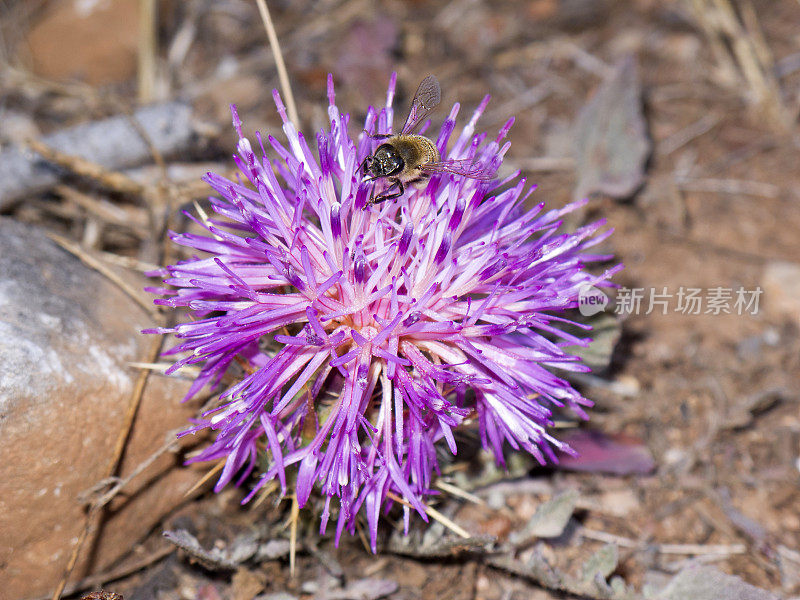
[{"x": 611, "y": 143}]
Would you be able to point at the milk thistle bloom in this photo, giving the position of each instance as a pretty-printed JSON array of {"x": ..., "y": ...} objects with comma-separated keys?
[{"x": 369, "y": 333}]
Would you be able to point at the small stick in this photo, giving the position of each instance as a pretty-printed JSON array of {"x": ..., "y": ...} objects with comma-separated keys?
[
  {"x": 128, "y": 262},
  {"x": 692, "y": 549},
  {"x": 265, "y": 493},
  {"x": 680, "y": 138},
  {"x": 103, "y": 210},
  {"x": 730, "y": 186},
  {"x": 283, "y": 76},
  {"x": 701, "y": 549},
  {"x": 80, "y": 166}
]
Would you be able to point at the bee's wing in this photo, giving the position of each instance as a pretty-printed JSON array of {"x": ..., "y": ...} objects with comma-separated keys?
[
  {"x": 428, "y": 96},
  {"x": 461, "y": 166}
]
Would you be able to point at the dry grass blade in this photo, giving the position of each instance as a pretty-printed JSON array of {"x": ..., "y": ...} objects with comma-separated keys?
[
  {"x": 733, "y": 31},
  {"x": 452, "y": 526},
  {"x": 283, "y": 76},
  {"x": 435, "y": 515},
  {"x": 295, "y": 516},
  {"x": 148, "y": 22},
  {"x": 211, "y": 472},
  {"x": 458, "y": 492}
]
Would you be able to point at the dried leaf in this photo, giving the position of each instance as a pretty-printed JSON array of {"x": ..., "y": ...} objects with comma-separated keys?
[
  {"x": 537, "y": 569},
  {"x": 214, "y": 559},
  {"x": 601, "y": 453},
  {"x": 611, "y": 143},
  {"x": 602, "y": 563},
  {"x": 549, "y": 520},
  {"x": 540, "y": 571},
  {"x": 605, "y": 334},
  {"x": 706, "y": 583}
]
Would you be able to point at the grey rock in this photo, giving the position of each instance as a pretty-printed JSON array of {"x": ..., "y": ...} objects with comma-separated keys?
[{"x": 66, "y": 337}]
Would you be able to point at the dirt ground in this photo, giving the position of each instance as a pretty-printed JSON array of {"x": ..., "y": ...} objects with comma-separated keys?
[{"x": 712, "y": 397}]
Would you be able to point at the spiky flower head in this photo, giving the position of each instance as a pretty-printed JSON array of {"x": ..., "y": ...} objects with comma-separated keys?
[{"x": 369, "y": 333}]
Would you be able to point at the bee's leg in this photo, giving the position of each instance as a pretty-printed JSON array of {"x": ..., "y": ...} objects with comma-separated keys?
[
  {"x": 379, "y": 136},
  {"x": 386, "y": 196},
  {"x": 365, "y": 163}
]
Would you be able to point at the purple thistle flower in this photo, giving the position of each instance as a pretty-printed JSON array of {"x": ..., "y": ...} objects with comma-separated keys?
[{"x": 394, "y": 324}]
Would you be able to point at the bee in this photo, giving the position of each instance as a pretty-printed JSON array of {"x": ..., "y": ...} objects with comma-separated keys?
[{"x": 407, "y": 158}]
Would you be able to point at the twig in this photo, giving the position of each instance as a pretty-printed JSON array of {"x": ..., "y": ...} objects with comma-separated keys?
[
  {"x": 128, "y": 262},
  {"x": 113, "y": 180},
  {"x": 680, "y": 138},
  {"x": 283, "y": 76},
  {"x": 538, "y": 570},
  {"x": 452, "y": 526},
  {"x": 693, "y": 549},
  {"x": 609, "y": 538},
  {"x": 105, "y": 211},
  {"x": 701, "y": 549},
  {"x": 211, "y": 472},
  {"x": 435, "y": 515},
  {"x": 119, "y": 484},
  {"x": 161, "y": 367},
  {"x": 264, "y": 493},
  {"x": 737, "y": 41},
  {"x": 730, "y": 186}
]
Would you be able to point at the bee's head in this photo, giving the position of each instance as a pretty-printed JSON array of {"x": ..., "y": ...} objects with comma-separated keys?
[{"x": 386, "y": 161}]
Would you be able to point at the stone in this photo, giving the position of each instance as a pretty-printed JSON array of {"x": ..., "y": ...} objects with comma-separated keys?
[{"x": 67, "y": 336}]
